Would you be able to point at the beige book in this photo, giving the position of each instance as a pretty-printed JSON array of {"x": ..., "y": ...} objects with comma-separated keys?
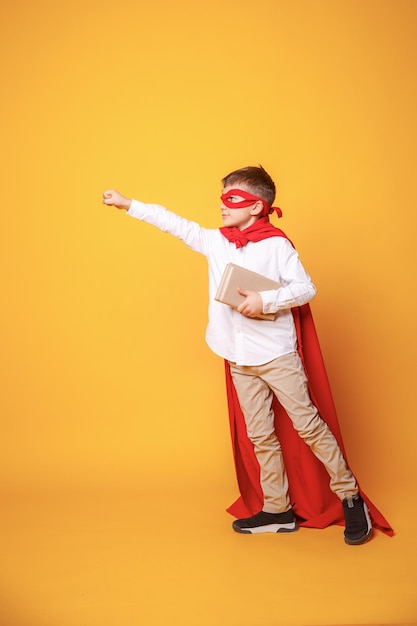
[{"x": 235, "y": 276}]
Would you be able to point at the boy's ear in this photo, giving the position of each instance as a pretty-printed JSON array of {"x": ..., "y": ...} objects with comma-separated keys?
[{"x": 257, "y": 209}]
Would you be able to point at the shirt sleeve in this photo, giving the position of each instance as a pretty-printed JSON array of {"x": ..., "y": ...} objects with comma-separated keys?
[
  {"x": 191, "y": 233},
  {"x": 297, "y": 287}
]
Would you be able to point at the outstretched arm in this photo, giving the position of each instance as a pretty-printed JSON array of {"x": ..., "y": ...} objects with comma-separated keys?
[
  {"x": 114, "y": 198},
  {"x": 191, "y": 233}
]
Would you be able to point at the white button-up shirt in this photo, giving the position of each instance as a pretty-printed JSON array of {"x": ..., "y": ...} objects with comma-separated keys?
[{"x": 229, "y": 334}]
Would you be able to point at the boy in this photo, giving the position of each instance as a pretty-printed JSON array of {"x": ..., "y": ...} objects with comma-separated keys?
[{"x": 262, "y": 354}]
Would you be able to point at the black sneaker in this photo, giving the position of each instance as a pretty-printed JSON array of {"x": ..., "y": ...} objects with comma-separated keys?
[
  {"x": 358, "y": 527},
  {"x": 267, "y": 523}
]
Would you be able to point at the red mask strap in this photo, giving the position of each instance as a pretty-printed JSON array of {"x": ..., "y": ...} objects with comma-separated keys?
[{"x": 247, "y": 201}]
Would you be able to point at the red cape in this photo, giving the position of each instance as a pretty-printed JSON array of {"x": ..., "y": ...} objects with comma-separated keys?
[{"x": 315, "y": 505}]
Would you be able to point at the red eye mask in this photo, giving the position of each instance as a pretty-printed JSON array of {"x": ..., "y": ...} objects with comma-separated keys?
[{"x": 248, "y": 200}]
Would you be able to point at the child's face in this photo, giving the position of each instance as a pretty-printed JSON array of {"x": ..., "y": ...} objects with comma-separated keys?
[{"x": 240, "y": 218}]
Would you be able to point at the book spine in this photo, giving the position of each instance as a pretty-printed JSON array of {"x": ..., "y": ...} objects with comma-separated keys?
[{"x": 224, "y": 282}]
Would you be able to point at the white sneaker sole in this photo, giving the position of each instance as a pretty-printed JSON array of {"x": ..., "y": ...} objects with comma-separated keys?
[{"x": 269, "y": 528}]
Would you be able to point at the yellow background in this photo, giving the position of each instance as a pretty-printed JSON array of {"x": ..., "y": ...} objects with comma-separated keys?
[{"x": 116, "y": 464}]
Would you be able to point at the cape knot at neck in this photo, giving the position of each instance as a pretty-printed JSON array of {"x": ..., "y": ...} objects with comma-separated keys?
[
  {"x": 261, "y": 229},
  {"x": 237, "y": 237}
]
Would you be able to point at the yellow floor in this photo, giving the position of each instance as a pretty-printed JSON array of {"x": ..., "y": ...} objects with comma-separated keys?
[{"x": 133, "y": 557}]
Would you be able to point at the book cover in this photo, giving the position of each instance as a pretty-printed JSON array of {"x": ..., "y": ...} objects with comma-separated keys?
[{"x": 235, "y": 276}]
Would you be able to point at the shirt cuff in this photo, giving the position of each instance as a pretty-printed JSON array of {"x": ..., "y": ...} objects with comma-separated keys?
[
  {"x": 269, "y": 299},
  {"x": 134, "y": 208}
]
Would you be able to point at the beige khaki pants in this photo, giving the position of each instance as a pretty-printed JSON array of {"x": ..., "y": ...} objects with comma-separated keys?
[{"x": 285, "y": 377}]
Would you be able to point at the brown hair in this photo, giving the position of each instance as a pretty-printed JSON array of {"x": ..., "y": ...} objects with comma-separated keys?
[{"x": 256, "y": 179}]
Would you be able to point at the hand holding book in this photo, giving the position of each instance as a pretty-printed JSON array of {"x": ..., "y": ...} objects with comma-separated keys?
[
  {"x": 240, "y": 287},
  {"x": 252, "y": 305}
]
